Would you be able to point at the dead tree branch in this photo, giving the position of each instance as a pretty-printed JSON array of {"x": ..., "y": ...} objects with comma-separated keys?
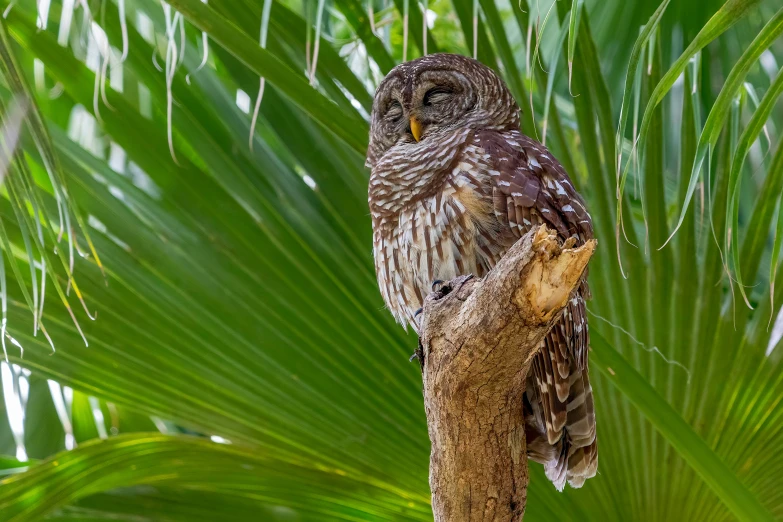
[{"x": 478, "y": 339}]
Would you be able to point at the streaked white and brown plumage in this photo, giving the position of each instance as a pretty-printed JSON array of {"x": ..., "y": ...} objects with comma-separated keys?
[{"x": 454, "y": 184}]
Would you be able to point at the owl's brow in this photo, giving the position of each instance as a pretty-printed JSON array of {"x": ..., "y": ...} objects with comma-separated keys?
[
  {"x": 393, "y": 77},
  {"x": 392, "y": 95}
]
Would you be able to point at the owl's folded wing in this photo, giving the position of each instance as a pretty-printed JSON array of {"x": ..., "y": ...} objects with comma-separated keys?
[
  {"x": 530, "y": 187},
  {"x": 530, "y": 184}
]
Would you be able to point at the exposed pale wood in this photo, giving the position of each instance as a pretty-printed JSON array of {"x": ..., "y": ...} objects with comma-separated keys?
[{"x": 478, "y": 339}]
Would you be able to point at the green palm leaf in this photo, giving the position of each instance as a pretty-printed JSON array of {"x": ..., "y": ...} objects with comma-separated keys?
[{"x": 239, "y": 301}]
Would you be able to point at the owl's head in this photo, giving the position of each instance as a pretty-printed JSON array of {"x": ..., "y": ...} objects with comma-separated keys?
[{"x": 428, "y": 98}]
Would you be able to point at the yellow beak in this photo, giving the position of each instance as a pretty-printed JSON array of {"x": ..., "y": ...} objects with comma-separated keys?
[{"x": 416, "y": 129}]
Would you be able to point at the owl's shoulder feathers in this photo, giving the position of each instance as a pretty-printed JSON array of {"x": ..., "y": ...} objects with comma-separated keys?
[{"x": 529, "y": 183}]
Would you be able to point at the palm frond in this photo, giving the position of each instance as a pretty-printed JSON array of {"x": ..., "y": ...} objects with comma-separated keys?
[{"x": 239, "y": 302}]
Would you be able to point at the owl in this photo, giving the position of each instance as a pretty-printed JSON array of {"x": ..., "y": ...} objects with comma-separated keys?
[{"x": 454, "y": 184}]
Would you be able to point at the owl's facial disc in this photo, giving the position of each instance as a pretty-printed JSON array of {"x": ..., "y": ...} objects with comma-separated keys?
[
  {"x": 437, "y": 100},
  {"x": 429, "y": 98},
  {"x": 420, "y": 105}
]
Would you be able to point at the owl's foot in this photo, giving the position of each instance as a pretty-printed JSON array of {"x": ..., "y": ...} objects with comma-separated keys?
[
  {"x": 418, "y": 354},
  {"x": 441, "y": 289}
]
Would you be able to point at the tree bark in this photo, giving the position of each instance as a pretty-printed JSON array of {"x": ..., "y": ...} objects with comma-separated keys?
[{"x": 478, "y": 338}]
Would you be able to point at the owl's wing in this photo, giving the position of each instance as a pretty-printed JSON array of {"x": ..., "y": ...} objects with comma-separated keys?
[
  {"x": 530, "y": 187},
  {"x": 530, "y": 184}
]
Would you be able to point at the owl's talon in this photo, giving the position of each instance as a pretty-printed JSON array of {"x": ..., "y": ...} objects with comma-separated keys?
[
  {"x": 417, "y": 312},
  {"x": 418, "y": 354},
  {"x": 435, "y": 283},
  {"x": 445, "y": 290}
]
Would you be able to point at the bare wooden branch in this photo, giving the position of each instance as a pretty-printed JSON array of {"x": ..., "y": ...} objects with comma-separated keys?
[{"x": 478, "y": 339}]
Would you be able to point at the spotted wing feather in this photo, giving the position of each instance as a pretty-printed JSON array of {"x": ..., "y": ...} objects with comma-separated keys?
[{"x": 530, "y": 187}]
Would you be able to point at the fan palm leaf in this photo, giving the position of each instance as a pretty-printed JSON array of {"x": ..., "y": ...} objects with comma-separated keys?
[{"x": 241, "y": 362}]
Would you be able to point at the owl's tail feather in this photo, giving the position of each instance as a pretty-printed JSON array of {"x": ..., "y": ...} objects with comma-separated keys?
[
  {"x": 580, "y": 431},
  {"x": 559, "y": 412},
  {"x": 574, "y": 457},
  {"x": 582, "y": 464}
]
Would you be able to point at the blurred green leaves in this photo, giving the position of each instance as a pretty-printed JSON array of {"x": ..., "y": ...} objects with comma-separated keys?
[{"x": 198, "y": 465}]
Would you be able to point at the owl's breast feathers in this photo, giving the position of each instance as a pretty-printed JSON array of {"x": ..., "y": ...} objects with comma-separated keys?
[
  {"x": 453, "y": 205},
  {"x": 432, "y": 219}
]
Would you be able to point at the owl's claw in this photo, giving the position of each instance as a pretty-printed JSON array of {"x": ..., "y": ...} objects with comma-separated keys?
[
  {"x": 418, "y": 354},
  {"x": 446, "y": 288},
  {"x": 418, "y": 312}
]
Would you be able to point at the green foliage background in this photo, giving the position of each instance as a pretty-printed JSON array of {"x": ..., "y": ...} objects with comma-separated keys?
[{"x": 241, "y": 365}]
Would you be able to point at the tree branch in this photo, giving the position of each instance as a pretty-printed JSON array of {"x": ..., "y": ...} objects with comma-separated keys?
[{"x": 478, "y": 340}]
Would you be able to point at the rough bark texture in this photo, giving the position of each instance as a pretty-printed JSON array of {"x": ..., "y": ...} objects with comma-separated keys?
[{"x": 478, "y": 338}]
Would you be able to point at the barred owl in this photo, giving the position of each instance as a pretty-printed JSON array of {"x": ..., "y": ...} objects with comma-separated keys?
[{"x": 454, "y": 184}]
